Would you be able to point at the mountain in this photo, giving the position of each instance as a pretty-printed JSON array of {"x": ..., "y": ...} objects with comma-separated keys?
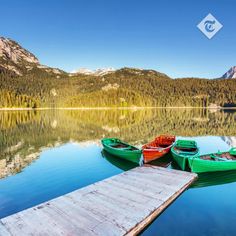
[
  {"x": 97, "y": 72},
  {"x": 125, "y": 70},
  {"x": 230, "y": 74},
  {"x": 12, "y": 51},
  {"x": 25, "y": 83},
  {"x": 19, "y": 61},
  {"x": 13, "y": 56}
]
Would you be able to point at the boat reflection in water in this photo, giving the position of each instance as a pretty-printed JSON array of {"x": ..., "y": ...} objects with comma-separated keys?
[
  {"x": 215, "y": 178},
  {"x": 210, "y": 178},
  {"x": 118, "y": 162},
  {"x": 124, "y": 165},
  {"x": 164, "y": 161}
]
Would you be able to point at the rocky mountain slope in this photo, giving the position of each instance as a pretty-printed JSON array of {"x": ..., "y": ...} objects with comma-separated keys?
[
  {"x": 17, "y": 60},
  {"x": 11, "y": 50},
  {"x": 230, "y": 74}
]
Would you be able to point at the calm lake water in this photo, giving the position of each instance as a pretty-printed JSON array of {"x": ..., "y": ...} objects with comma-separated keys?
[{"x": 45, "y": 154}]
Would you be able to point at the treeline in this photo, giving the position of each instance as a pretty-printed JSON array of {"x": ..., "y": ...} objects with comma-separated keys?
[
  {"x": 10, "y": 99},
  {"x": 184, "y": 92},
  {"x": 125, "y": 87}
]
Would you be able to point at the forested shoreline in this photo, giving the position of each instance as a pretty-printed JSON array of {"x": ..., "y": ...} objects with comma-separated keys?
[{"x": 124, "y": 88}]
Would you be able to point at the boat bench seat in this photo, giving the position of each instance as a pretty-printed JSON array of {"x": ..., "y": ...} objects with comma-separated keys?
[
  {"x": 214, "y": 157},
  {"x": 118, "y": 144},
  {"x": 127, "y": 148}
]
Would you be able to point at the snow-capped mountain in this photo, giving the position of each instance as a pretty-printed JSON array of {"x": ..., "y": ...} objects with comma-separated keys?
[
  {"x": 104, "y": 71},
  {"x": 97, "y": 72},
  {"x": 230, "y": 74}
]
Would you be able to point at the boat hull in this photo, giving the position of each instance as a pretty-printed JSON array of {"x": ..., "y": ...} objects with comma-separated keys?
[
  {"x": 157, "y": 148},
  {"x": 183, "y": 150},
  {"x": 129, "y": 155},
  {"x": 198, "y": 165},
  {"x": 151, "y": 155},
  {"x": 180, "y": 160}
]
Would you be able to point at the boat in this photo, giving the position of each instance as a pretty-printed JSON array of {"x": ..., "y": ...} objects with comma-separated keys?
[
  {"x": 220, "y": 161},
  {"x": 182, "y": 150},
  {"x": 123, "y": 150},
  {"x": 157, "y": 148}
]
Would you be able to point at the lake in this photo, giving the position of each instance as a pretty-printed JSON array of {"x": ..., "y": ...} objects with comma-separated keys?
[{"x": 45, "y": 154}]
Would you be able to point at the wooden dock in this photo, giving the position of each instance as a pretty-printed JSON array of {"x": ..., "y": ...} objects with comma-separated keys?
[{"x": 121, "y": 205}]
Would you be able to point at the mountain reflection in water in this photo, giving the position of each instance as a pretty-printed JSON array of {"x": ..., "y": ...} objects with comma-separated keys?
[{"x": 24, "y": 134}]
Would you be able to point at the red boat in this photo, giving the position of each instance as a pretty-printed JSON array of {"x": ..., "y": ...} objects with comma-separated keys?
[{"x": 157, "y": 148}]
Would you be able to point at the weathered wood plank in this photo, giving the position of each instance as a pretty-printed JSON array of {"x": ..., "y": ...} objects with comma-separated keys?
[
  {"x": 120, "y": 205},
  {"x": 139, "y": 227},
  {"x": 3, "y": 230},
  {"x": 158, "y": 182}
]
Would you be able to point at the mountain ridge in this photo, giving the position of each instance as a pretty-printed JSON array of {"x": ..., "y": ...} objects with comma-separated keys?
[
  {"x": 13, "y": 57},
  {"x": 97, "y": 72},
  {"x": 25, "y": 83},
  {"x": 16, "y": 59}
]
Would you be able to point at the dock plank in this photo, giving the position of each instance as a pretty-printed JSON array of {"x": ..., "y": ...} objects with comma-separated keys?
[
  {"x": 121, "y": 205},
  {"x": 3, "y": 230}
]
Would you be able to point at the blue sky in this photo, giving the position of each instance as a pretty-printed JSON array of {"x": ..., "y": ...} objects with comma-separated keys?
[{"x": 157, "y": 34}]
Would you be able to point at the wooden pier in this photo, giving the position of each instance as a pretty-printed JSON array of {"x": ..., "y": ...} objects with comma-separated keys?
[{"x": 121, "y": 205}]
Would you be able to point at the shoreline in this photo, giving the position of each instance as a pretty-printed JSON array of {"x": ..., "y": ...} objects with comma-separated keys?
[{"x": 110, "y": 108}]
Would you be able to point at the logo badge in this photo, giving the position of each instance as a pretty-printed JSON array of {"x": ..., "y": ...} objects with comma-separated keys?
[{"x": 209, "y": 26}]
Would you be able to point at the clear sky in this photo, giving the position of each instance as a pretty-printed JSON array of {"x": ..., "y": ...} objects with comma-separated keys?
[{"x": 156, "y": 34}]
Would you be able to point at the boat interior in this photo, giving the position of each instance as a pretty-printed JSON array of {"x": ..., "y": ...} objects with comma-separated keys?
[
  {"x": 219, "y": 157},
  {"x": 161, "y": 142},
  {"x": 186, "y": 149},
  {"x": 123, "y": 146}
]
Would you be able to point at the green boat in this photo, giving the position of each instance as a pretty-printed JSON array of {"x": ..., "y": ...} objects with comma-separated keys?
[
  {"x": 220, "y": 161},
  {"x": 182, "y": 150},
  {"x": 123, "y": 150}
]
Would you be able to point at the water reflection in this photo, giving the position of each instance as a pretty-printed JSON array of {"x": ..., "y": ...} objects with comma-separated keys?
[
  {"x": 24, "y": 134},
  {"x": 119, "y": 163},
  {"x": 215, "y": 178},
  {"x": 58, "y": 171},
  {"x": 62, "y": 152}
]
